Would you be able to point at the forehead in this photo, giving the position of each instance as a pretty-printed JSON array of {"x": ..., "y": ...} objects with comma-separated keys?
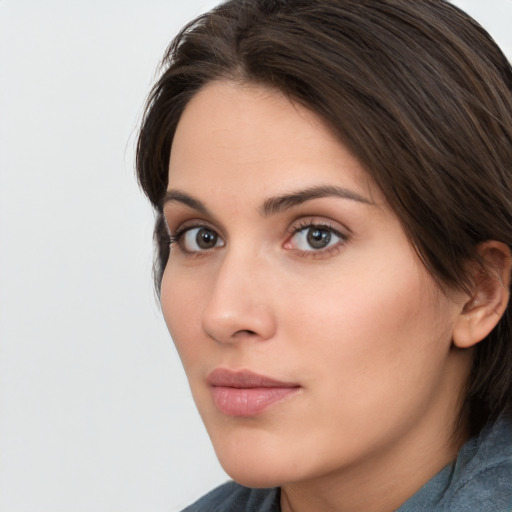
[{"x": 248, "y": 137}]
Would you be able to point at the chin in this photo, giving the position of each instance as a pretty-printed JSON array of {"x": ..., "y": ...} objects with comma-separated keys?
[
  {"x": 258, "y": 478},
  {"x": 254, "y": 464}
]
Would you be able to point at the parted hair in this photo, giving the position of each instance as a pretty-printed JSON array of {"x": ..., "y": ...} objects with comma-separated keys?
[{"x": 417, "y": 90}]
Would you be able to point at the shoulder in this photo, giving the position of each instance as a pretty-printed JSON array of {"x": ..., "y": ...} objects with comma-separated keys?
[
  {"x": 232, "y": 497},
  {"x": 482, "y": 476},
  {"x": 490, "y": 489},
  {"x": 479, "y": 480}
]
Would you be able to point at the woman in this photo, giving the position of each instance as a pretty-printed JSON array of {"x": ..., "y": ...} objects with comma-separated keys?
[{"x": 333, "y": 183}]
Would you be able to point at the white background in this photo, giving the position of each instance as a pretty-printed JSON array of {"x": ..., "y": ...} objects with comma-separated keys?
[{"x": 95, "y": 413}]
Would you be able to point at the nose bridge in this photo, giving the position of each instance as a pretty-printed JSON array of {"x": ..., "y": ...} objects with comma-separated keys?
[{"x": 239, "y": 304}]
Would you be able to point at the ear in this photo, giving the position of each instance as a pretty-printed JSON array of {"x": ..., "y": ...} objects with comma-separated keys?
[{"x": 489, "y": 298}]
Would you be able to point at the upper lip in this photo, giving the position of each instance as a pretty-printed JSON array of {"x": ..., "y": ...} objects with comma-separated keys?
[{"x": 244, "y": 379}]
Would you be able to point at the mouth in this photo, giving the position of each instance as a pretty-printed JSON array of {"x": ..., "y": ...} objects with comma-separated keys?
[{"x": 245, "y": 394}]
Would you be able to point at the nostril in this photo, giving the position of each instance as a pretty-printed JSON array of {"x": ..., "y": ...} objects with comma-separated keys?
[{"x": 246, "y": 331}]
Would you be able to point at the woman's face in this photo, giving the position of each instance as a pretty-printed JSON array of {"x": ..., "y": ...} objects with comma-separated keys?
[{"x": 314, "y": 340}]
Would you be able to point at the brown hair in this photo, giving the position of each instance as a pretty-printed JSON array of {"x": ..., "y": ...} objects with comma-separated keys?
[{"x": 418, "y": 91}]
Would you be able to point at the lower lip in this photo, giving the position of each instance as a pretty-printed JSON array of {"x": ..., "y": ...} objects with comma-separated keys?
[{"x": 247, "y": 402}]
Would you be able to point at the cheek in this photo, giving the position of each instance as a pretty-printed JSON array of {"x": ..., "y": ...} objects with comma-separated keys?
[
  {"x": 374, "y": 327},
  {"x": 181, "y": 306}
]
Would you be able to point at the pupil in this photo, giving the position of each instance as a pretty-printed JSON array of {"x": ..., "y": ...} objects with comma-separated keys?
[
  {"x": 206, "y": 239},
  {"x": 318, "y": 238}
]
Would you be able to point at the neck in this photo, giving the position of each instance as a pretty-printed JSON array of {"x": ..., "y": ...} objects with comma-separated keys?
[{"x": 380, "y": 485}]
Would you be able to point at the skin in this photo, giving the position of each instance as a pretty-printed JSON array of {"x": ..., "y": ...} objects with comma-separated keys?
[{"x": 360, "y": 326}]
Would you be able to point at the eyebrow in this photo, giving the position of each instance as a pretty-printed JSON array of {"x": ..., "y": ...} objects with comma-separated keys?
[
  {"x": 275, "y": 204},
  {"x": 286, "y": 201},
  {"x": 176, "y": 196}
]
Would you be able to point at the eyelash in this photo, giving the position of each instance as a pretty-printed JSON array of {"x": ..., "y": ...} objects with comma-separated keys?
[
  {"x": 320, "y": 225},
  {"x": 177, "y": 238}
]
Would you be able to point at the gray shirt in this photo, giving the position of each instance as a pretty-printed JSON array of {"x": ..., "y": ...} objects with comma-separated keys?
[{"x": 479, "y": 480}]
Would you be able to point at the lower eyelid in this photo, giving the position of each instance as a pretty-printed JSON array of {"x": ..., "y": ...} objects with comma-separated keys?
[{"x": 323, "y": 253}]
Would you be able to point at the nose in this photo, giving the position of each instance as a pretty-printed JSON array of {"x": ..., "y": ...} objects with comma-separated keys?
[{"x": 239, "y": 306}]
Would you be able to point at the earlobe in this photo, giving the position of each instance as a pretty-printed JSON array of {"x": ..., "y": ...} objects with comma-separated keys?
[{"x": 490, "y": 296}]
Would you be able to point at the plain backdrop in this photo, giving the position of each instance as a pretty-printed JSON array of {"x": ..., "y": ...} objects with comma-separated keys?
[{"x": 95, "y": 412}]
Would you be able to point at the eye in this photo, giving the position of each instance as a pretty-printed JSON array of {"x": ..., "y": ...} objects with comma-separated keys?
[
  {"x": 315, "y": 238},
  {"x": 197, "y": 239}
]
